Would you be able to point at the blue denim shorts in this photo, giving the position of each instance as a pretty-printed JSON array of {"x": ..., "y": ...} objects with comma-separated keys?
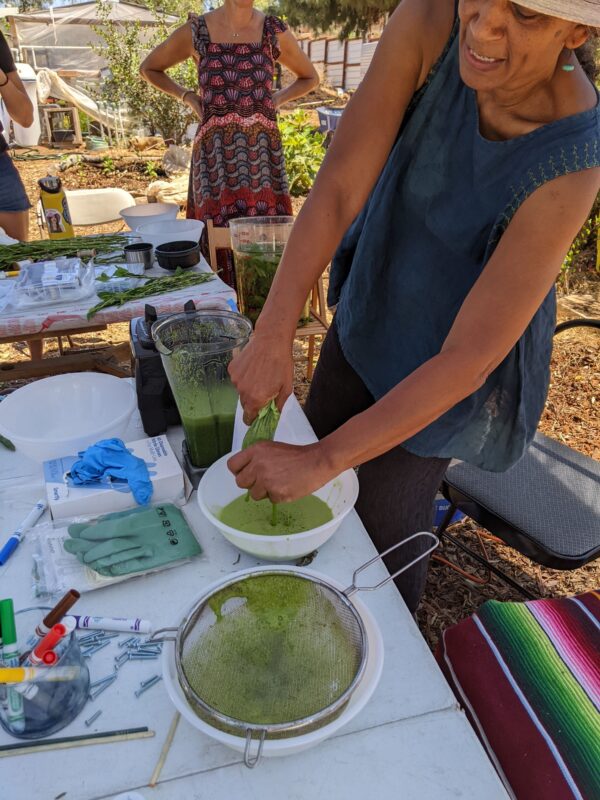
[{"x": 13, "y": 196}]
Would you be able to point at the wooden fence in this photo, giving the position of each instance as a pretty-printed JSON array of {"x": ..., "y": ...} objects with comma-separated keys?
[{"x": 343, "y": 64}]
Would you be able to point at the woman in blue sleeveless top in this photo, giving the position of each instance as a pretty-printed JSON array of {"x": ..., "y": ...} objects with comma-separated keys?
[{"x": 461, "y": 172}]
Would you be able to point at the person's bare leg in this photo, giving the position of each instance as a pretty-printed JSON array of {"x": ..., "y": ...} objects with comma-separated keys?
[{"x": 16, "y": 224}]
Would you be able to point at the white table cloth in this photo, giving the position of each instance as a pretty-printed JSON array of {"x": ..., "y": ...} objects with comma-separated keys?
[{"x": 53, "y": 319}]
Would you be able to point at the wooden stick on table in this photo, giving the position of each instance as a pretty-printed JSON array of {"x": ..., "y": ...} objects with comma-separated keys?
[{"x": 165, "y": 750}]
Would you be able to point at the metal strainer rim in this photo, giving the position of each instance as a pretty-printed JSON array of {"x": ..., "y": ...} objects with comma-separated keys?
[{"x": 291, "y": 725}]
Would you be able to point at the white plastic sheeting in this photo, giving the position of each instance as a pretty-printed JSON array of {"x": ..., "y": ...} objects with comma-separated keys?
[
  {"x": 50, "y": 84},
  {"x": 63, "y": 37}
]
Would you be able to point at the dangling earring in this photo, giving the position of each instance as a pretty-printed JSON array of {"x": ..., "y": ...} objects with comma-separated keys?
[{"x": 568, "y": 67}]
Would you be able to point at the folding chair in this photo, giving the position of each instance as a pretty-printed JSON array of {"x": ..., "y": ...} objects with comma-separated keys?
[
  {"x": 220, "y": 239},
  {"x": 547, "y": 506}
]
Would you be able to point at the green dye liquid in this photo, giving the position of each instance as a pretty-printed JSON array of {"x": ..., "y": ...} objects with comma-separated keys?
[
  {"x": 257, "y": 516},
  {"x": 206, "y": 401},
  {"x": 276, "y": 651},
  {"x": 209, "y": 437}
]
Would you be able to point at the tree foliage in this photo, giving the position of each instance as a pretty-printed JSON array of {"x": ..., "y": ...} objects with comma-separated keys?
[
  {"x": 29, "y": 5},
  {"x": 346, "y": 17},
  {"x": 124, "y": 48}
]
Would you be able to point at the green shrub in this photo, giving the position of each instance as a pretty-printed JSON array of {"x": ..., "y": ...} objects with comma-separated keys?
[
  {"x": 124, "y": 47},
  {"x": 303, "y": 148},
  {"x": 587, "y": 236}
]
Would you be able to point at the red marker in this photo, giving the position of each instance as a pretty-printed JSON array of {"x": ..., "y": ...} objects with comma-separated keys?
[
  {"x": 49, "y": 658},
  {"x": 47, "y": 644}
]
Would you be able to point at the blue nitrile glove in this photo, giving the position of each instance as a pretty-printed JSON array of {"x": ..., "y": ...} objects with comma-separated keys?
[
  {"x": 111, "y": 457},
  {"x": 133, "y": 541}
]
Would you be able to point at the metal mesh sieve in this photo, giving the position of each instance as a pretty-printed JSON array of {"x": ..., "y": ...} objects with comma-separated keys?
[{"x": 273, "y": 651}]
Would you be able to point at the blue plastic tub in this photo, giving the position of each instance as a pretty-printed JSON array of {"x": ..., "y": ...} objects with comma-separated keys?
[{"x": 328, "y": 118}]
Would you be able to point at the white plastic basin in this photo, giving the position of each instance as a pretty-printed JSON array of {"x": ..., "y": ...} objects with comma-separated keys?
[
  {"x": 148, "y": 212},
  {"x": 218, "y": 488},
  {"x": 61, "y": 415},
  {"x": 173, "y": 230},
  {"x": 295, "y": 744}
]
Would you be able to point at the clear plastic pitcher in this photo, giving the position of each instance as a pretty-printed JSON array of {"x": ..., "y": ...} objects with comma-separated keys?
[
  {"x": 196, "y": 348},
  {"x": 258, "y": 244}
]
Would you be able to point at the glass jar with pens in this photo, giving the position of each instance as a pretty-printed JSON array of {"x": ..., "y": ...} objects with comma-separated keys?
[{"x": 42, "y": 705}]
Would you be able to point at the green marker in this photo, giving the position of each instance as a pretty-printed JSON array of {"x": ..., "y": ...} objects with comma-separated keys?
[{"x": 10, "y": 655}]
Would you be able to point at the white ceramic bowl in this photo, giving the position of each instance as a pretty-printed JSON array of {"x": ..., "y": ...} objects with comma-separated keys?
[
  {"x": 61, "y": 415},
  {"x": 295, "y": 744},
  {"x": 173, "y": 230},
  {"x": 148, "y": 212},
  {"x": 218, "y": 488}
]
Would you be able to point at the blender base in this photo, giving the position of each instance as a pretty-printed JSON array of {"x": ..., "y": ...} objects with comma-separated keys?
[{"x": 194, "y": 473}]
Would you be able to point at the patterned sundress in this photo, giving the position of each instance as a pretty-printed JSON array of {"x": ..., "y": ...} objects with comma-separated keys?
[{"x": 238, "y": 168}]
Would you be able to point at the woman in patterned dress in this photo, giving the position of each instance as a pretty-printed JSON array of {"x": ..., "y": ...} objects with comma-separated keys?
[{"x": 237, "y": 167}]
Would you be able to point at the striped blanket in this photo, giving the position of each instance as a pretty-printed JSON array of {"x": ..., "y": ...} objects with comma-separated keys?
[{"x": 528, "y": 676}]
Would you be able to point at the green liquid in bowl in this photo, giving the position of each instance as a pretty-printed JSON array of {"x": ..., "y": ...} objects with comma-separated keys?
[{"x": 295, "y": 517}]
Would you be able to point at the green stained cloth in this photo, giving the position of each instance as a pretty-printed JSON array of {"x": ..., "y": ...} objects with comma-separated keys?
[
  {"x": 263, "y": 430},
  {"x": 264, "y": 426}
]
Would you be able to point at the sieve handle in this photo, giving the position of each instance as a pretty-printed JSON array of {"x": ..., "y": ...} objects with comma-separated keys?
[
  {"x": 155, "y": 638},
  {"x": 252, "y": 761},
  {"x": 354, "y": 588}
]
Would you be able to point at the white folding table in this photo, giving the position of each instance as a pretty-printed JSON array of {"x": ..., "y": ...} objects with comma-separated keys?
[{"x": 411, "y": 742}]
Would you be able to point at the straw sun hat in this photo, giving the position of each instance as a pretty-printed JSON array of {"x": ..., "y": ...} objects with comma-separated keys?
[{"x": 586, "y": 12}]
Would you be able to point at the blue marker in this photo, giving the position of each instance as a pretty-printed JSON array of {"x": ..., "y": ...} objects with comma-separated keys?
[{"x": 15, "y": 540}]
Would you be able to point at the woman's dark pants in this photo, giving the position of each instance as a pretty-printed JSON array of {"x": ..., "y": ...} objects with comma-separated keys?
[{"x": 397, "y": 489}]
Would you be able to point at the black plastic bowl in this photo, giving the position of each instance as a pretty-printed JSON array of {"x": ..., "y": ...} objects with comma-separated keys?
[{"x": 177, "y": 254}]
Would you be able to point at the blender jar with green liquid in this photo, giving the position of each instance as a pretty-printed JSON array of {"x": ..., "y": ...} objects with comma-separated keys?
[{"x": 196, "y": 348}]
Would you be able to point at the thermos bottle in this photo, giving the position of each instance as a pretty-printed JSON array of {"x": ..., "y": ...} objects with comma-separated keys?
[{"x": 55, "y": 208}]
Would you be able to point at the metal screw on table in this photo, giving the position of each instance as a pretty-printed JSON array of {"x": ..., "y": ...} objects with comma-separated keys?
[
  {"x": 149, "y": 683},
  {"x": 143, "y": 656},
  {"x": 125, "y": 642},
  {"x": 100, "y": 681},
  {"x": 91, "y": 636},
  {"x": 98, "y": 690},
  {"x": 122, "y": 658},
  {"x": 92, "y": 719},
  {"x": 95, "y": 649}
]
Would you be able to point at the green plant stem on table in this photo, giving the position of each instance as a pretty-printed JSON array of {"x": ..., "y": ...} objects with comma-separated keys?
[
  {"x": 7, "y": 443},
  {"x": 181, "y": 279},
  {"x": 44, "y": 249}
]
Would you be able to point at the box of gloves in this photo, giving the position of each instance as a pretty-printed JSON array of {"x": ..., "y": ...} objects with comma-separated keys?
[{"x": 113, "y": 476}]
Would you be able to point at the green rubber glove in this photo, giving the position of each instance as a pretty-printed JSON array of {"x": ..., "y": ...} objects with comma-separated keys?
[
  {"x": 133, "y": 541},
  {"x": 264, "y": 426}
]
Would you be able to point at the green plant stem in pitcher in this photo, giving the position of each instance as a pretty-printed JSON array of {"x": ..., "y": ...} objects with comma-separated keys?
[{"x": 255, "y": 268}]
